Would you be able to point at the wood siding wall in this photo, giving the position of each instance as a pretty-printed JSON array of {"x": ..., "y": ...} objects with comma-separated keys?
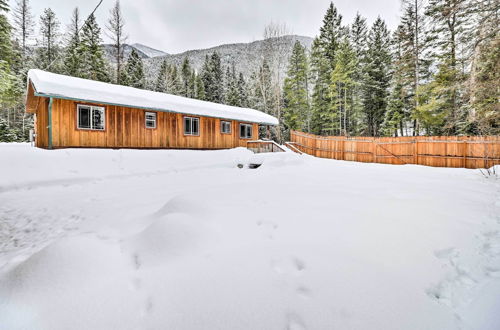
[
  {"x": 439, "y": 151},
  {"x": 125, "y": 128},
  {"x": 42, "y": 122}
]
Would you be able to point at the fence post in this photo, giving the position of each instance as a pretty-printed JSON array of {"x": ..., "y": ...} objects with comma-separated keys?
[
  {"x": 464, "y": 154},
  {"x": 343, "y": 149},
  {"x": 374, "y": 150},
  {"x": 485, "y": 154},
  {"x": 415, "y": 160}
]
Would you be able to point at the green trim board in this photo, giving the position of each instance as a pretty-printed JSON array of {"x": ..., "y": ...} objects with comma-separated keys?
[{"x": 50, "y": 123}]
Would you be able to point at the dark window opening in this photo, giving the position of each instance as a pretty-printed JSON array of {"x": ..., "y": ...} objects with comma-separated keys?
[
  {"x": 245, "y": 131},
  {"x": 191, "y": 126},
  {"x": 225, "y": 127}
]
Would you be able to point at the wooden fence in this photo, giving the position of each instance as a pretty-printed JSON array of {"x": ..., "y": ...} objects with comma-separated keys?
[{"x": 439, "y": 151}]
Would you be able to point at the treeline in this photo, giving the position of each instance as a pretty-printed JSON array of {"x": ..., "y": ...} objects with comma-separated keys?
[{"x": 438, "y": 73}]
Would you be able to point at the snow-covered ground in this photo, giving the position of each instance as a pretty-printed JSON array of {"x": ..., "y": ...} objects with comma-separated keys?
[{"x": 172, "y": 239}]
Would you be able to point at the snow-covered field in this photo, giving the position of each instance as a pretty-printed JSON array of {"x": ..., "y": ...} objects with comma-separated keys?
[{"x": 172, "y": 239}]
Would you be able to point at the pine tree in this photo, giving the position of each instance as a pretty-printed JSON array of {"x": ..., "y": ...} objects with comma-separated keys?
[
  {"x": 218, "y": 83},
  {"x": 6, "y": 56},
  {"x": 192, "y": 84},
  {"x": 485, "y": 89},
  {"x": 23, "y": 24},
  {"x": 4, "y": 6},
  {"x": 399, "y": 109},
  {"x": 199, "y": 88},
  {"x": 483, "y": 84},
  {"x": 94, "y": 64},
  {"x": 49, "y": 49},
  {"x": 413, "y": 66},
  {"x": 330, "y": 33},
  {"x": 174, "y": 81},
  {"x": 135, "y": 71},
  {"x": 187, "y": 82},
  {"x": 6, "y": 51},
  {"x": 358, "y": 40},
  {"x": 115, "y": 27},
  {"x": 377, "y": 77},
  {"x": 11, "y": 87},
  {"x": 212, "y": 77},
  {"x": 231, "y": 91},
  {"x": 296, "y": 90},
  {"x": 72, "y": 61},
  {"x": 323, "y": 54},
  {"x": 161, "y": 79},
  {"x": 241, "y": 85},
  {"x": 342, "y": 82},
  {"x": 449, "y": 19}
]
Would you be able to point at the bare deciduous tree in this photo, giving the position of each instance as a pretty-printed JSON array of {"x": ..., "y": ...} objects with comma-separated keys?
[
  {"x": 23, "y": 23},
  {"x": 115, "y": 28},
  {"x": 275, "y": 51}
]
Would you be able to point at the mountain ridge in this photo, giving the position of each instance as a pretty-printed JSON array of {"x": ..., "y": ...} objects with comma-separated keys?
[{"x": 245, "y": 56}]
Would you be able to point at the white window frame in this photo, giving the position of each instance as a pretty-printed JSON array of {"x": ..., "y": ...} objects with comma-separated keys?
[
  {"x": 192, "y": 119},
  {"x": 247, "y": 126},
  {"x": 92, "y": 109},
  {"x": 222, "y": 123},
  {"x": 150, "y": 120}
]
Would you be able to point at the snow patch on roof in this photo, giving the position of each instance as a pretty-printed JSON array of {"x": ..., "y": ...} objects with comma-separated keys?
[{"x": 61, "y": 86}]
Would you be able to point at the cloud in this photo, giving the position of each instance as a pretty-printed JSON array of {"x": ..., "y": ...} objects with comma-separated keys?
[{"x": 179, "y": 25}]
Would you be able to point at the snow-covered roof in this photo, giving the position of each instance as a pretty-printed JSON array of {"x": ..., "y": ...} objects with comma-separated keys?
[{"x": 60, "y": 86}]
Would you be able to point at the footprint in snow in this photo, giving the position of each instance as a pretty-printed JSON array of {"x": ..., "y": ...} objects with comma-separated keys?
[
  {"x": 148, "y": 307},
  {"x": 269, "y": 227},
  {"x": 294, "y": 322},
  {"x": 446, "y": 253},
  {"x": 137, "y": 261},
  {"x": 493, "y": 271},
  {"x": 304, "y": 291},
  {"x": 299, "y": 264}
]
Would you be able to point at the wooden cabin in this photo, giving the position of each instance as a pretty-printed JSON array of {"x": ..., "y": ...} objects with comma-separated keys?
[{"x": 75, "y": 112}]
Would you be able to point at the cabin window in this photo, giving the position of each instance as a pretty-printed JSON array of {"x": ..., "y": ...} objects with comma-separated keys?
[
  {"x": 91, "y": 117},
  {"x": 225, "y": 127},
  {"x": 191, "y": 126},
  {"x": 245, "y": 131},
  {"x": 150, "y": 119}
]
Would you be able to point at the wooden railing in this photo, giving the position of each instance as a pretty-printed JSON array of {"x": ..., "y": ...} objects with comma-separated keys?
[
  {"x": 292, "y": 146},
  {"x": 439, "y": 151},
  {"x": 259, "y": 146}
]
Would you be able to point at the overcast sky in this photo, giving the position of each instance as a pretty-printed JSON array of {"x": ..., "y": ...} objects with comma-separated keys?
[{"x": 178, "y": 25}]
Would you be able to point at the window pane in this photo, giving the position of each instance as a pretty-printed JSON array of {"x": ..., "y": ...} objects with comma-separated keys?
[
  {"x": 187, "y": 126},
  {"x": 98, "y": 118},
  {"x": 196, "y": 125},
  {"x": 242, "y": 130},
  {"x": 83, "y": 117},
  {"x": 249, "y": 131},
  {"x": 150, "y": 120},
  {"x": 226, "y": 127}
]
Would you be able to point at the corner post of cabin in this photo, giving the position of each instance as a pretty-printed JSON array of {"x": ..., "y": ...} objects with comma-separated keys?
[{"x": 50, "y": 124}]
